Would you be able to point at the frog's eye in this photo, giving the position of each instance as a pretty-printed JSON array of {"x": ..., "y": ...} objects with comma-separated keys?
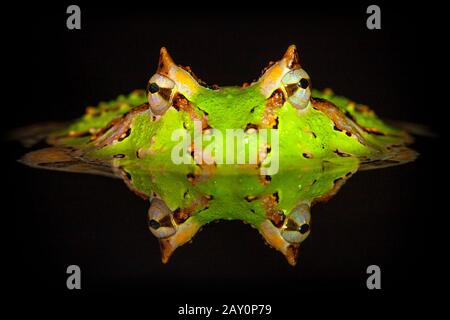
[
  {"x": 297, "y": 86},
  {"x": 160, "y": 92},
  {"x": 169, "y": 80},
  {"x": 287, "y": 75},
  {"x": 160, "y": 219},
  {"x": 297, "y": 226}
]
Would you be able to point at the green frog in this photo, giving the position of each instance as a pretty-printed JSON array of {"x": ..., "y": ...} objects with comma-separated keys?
[{"x": 263, "y": 152}]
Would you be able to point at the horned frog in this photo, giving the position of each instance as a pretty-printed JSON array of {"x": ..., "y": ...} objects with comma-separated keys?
[{"x": 321, "y": 140}]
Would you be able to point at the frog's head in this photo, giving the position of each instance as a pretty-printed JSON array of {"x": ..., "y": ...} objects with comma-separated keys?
[{"x": 283, "y": 82}]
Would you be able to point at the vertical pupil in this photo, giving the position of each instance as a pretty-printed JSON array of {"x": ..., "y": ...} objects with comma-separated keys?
[
  {"x": 153, "y": 87},
  {"x": 303, "y": 83}
]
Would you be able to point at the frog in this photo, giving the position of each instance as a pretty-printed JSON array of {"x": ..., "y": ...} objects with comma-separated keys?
[{"x": 316, "y": 138}]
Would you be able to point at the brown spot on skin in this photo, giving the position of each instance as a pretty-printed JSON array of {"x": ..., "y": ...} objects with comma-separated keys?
[
  {"x": 180, "y": 215},
  {"x": 250, "y": 198},
  {"x": 338, "y": 183},
  {"x": 181, "y": 103},
  {"x": 250, "y": 126},
  {"x": 269, "y": 117},
  {"x": 265, "y": 180},
  {"x": 126, "y": 177},
  {"x": 190, "y": 177},
  {"x": 275, "y": 215},
  {"x": 341, "y": 122},
  {"x": 119, "y": 156},
  {"x": 341, "y": 154},
  {"x": 307, "y": 155},
  {"x": 277, "y": 218},
  {"x": 275, "y": 126},
  {"x": 205, "y": 173},
  {"x": 125, "y": 134},
  {"x": 277, "y": 197}
]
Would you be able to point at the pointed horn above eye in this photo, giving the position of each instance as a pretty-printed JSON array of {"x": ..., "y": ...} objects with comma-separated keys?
[
  {"x": 271, "y": 78},
  {"x": 291, "y": 57},
  {"x": 165, "y": 62},
  {"x": 184, "y": 81}
]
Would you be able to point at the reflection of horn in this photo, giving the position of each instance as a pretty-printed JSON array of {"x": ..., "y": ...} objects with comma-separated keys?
[
  {"x": 273, "y": 237},
  {"x": 291, "y": 57},
  {"x": 271, "y": 79},
  {"x": 186, "y": 84},
  {"x": 185, "y": 232}
]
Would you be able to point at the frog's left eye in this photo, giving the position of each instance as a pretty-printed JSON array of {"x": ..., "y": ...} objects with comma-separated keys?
[
  {"x": 169, "y": 80},
  {"x": 160, "y": 92},
  {"x": 297, "y": 86}
]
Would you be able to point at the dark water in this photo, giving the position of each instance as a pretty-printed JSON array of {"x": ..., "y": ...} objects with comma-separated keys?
[{"x": 385, "y": 217}]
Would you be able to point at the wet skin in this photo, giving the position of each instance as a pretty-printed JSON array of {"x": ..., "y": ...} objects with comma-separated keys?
[{"x": 323, "y": 140}]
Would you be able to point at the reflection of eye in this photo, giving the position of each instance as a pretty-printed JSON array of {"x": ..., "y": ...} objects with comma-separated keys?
[
  {"x": 297, "y": 225},
  {"x": 160, "y": 220},
  {"x": 298, "y": 88},
  {"x": 160, "y": 92}
]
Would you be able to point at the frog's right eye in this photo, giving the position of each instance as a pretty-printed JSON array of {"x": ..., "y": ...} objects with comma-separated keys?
[
  {"x": 160, "y": 219},
  {"x": 297, "y": 86},
  {"x": 160, "y": 92}
]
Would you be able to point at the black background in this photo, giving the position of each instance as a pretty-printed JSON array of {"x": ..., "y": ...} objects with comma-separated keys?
[{"x": 382, "y": 217}]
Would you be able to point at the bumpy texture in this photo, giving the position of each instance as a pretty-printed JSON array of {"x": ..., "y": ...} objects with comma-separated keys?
[{"x": 323, "y": 140}]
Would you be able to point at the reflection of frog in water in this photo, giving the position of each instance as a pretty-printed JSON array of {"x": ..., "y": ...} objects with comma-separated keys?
[
  {"x": 278, "y": 206},
  {"x": 322, "y": 139}
]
